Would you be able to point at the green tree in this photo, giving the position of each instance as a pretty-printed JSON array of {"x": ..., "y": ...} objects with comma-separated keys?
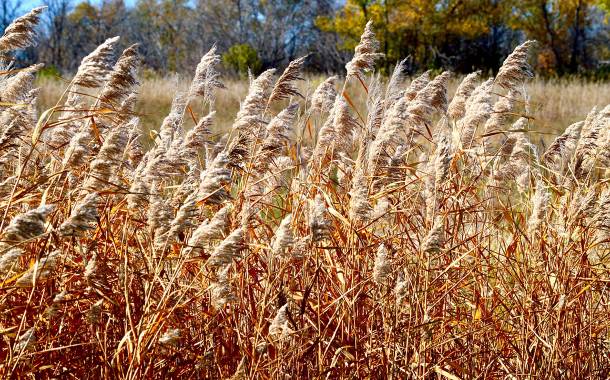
[{"x": 241, "y": 58}]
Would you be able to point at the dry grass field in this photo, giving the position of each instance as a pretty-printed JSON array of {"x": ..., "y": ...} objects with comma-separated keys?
[
  {"x": 414, "y": 229},
  {"x": 555, "y": 103}
]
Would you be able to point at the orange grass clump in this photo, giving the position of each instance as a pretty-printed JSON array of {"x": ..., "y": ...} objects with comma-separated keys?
[{"x": 415, "y": 237}]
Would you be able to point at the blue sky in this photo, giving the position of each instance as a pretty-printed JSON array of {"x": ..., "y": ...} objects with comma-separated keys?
[{"x": 34, "y": 3}]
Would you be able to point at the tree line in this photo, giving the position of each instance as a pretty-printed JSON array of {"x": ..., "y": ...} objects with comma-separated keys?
[{"x": 461, "y": 35}]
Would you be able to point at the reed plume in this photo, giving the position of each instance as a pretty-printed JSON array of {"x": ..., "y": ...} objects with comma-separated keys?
[
  {"x": 365, "y": 53},
  {"x": 515, "y": 69},
  {"x": 28, "y": 225},
  {"x": 323, "y": 97},
  {"x": 457, "y": 108},
  {"x": 284, "y": 87},
  {"x": 95, "y": 67},
  {"x": 21, "y": 33},
  {"x": 207, "y": 78}
]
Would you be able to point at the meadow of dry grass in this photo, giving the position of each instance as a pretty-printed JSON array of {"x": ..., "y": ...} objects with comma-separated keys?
[
  {"x": 555, "y": 103},
  {"x": 362, "y": 230}
]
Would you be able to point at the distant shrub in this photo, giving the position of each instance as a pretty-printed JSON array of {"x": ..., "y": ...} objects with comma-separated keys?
[
  {"x": 49, "y": 72},
  {"x": 242, "y": 57}
]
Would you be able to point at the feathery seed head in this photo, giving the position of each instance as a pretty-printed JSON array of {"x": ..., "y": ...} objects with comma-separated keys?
[
  {"x": 122, "y": 78},
  {"x": 457, "y": 107},
  {"x": 283, "y": 237},
  {"x": 221, "y": 290},
  {"x": 206, "y": 79},
  {"x": 82, "y": 216},
  {"x": 40, "y": 271},
  {"x": 284, "y": 87},
  {"x": 9, "y": 261},
  {"x": 21, "y": 32},
  {"x": 27, "y": 225},
  {"x": 228, "y": 249},
  {"x": 323, "y": 97},
  {"x": 318, "y": 221},
  {"x": 515, "y": 69},
  {"x": 95, "y": 67},
  {"x": 279, "y": 327},
  {"x": 435, "y": 239},
  {"x": 383, "y": 267},
  {"x": 25, "y": 342},
  {"x": 365, "y": 53}
]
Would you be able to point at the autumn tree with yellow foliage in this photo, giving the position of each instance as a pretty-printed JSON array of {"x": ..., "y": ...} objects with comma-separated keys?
[{"x": 477, "y": 34}]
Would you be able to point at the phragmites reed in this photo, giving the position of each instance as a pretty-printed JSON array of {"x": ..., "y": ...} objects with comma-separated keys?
[
  {"x": 365, "y": 53},
  {"x": 326, "y": 135},
  {"x": 430, "y": 98},
  {"x": 380, "y": 232},
  {"x": 457, "y": 107},
  {"x": 502, "y": 111},
  {"x": 134, "y": 151},
  {"x": 21, "y": 33},
  {"x": 540, "y": 203},
  {"x": 173, "y": 121},
  {"x": 214, "y": 179},
  {"x": 197, "y": 138},
  {"x": 602, "y": 219},
  {"x": 95, "y": 67},
  {"x": 170, "y": 338},
  {"x": 401, "y": 289},
  {"x": 27, "y": 225},
  {"x": 139, "y": 191},
  {"x": 25, "y": 342},
  {"x": 17, "y": 86},
  {"x": 54, "y": 308},
  {"x": 9, "y": 261},
  {"x": 563, "y": 146},
  {"x": 344, "y": 125},
  {"x": 213, "y": 229},
  {"x": 382, "y": 267},
  {"x": 417, "y": 85},
  {"x": 323, "y": 97},
  {"x": 122, "y": 79},
  {"x": 359, "y": 205},
  {"x": 222, "y": 291},
  {"x": 284, "y": 87},
  {"x": 377, "y": 106},
  {"x": 82, "y": 216},
  {"x": 478, "y": 109},
  {"x": 393, "y": 89},
  {"x": 586, "y": 149},
  {"x": 443, "y": 156},
  {"x": 515, "y": 69},
  {"x": 318, "y": 220},
  {"x": 159, "y": 216},
  {"x": 78, "y": 150},
  {"x": 389, "y": 134},
  {"x": 277, "y": 137},
  {"x": 279, "y": 327},
  {"x": 15, "y": 128},
  {"x": 283, "y": 239},
  {"x": 228, "y": 249},
  {"x": 40, "y": 271},
  {"x": 106, "y": 162},
  {"x": 206, "y": 79},
  {"x": 185, "y": 217},
  {"x": 255, "y": 102},
  {"x": 435, "y": 239}
]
